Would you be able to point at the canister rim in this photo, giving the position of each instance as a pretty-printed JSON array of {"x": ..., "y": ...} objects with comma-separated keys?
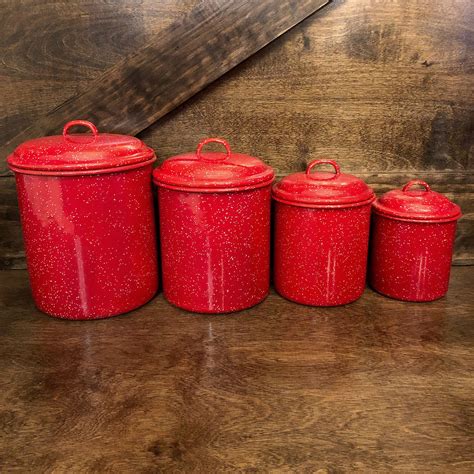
[
  {"x": 322, "y": 204},
  {"x": 82, "y": 172},
  {"x": 407, "y": 217},
  {"x": 213, "y": 189}
]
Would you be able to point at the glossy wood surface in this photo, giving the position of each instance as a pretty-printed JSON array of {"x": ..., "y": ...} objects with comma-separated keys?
[
  {"x": 375, "y": 386},
  {"x": 384, "y": 87}
]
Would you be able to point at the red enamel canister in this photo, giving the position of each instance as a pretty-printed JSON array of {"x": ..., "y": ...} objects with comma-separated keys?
[
  {"x": 86, "y": 210},
  {"x": 214, "y": 229},
  {"x": 322, "y": 225},
  {"x": 412, "y": 243}
]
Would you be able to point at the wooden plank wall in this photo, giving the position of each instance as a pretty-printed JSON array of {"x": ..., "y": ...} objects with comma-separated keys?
[{"x": 385, "y": 88}]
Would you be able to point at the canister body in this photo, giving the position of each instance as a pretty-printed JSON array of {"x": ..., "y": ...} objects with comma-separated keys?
[
  {"x": 215, "y": 248},
  {"x": 90, "y": 241},
  {"x": 411, "y": 261},
  {"x": 320, "y": 255}
]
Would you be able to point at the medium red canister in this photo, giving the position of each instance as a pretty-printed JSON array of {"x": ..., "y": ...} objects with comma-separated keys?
[
  {"x": 322, "y": 225},
  {"x": 214, "y": 229},
  {"x": 412, "y": 243},
  {"x": 86, "y": 209}
]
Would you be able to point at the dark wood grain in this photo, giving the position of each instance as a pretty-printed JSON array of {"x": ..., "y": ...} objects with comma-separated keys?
[
  {"x": 53, "y": 49},
  {"x": 379, "y": 86},
  {"x": 187, "y": 56},
  {"x": 12, "y": 254},
  {"x": 375, "y": 386}
]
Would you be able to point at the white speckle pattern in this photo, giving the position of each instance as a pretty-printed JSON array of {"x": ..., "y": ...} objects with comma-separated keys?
[
  {"x": 90, "y": 242},
  {"x": 411, "y": 261},
  {"x": 320, "y": 255},
  {"x": 215, "y": 248}
]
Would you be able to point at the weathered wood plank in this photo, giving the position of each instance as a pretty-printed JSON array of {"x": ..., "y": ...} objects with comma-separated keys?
[
  {"x": 380, "y": 86},
  {"x": 52, "y": 49},
  {"x": 180, "y": 61}
]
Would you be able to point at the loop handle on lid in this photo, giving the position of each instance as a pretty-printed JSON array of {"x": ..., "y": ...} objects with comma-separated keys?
[
  {"x": 84, "y": 123},
  {"x": 314, "y": 163},
  {"x": 213, "y": 140},
  {"x": 416, "y": 182}
]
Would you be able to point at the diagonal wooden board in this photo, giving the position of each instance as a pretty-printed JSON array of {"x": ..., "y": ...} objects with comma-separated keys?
[{"x": 183, "y": 59}]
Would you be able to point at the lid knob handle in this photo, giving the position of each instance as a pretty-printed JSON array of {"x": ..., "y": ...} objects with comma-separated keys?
[
  {"x": 213, "y": 140},
  {"x": 314, "y": 163},
  {"x": 84, "y": 123},
  {"x": 416, "y": 182}
]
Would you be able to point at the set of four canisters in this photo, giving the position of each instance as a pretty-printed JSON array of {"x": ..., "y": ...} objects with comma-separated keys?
[{"x": 87, "y": 212}]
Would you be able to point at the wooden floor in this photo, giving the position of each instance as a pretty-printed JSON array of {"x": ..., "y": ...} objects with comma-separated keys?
[{"x": 374, "y": 386}]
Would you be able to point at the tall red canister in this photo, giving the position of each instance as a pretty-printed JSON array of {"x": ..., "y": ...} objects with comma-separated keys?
[
  {"x": 322, "y": 225},
  {"x": 214, "y": 229},
  {"x": 86, "y": 210},
  {"x": 412, "y": 243}
]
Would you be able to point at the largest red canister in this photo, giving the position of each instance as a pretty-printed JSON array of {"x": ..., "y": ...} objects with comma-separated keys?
[
  {"x": 214, "y": 211},
  {"x": 322, "y": 224},
  {"x": 412, "y": 243},
  {"x": 86, "y": 210}
]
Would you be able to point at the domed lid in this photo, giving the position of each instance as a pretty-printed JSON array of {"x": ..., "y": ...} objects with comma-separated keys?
[
  {"x": 213, "y": 172},
  {"x": 72, "y": 154},
  {"x": 417, "y": 204},
  {"x": 323, "y": 189}
]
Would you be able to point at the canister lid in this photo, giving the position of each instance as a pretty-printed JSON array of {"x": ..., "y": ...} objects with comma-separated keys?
[
  {"x": 416, "y": 204},
  {"x": 74, "y": 154},
  {"x": 213, "y": 172},
  {"x": 323, "y": 189}
]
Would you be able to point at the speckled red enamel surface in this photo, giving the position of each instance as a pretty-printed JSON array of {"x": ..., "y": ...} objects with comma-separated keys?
[
  {"x": 412, "y": 242},
  {"x": 411, "y": 261},
  {"x": 320, "y": 255},
  {"x": 215, "y": 248},
  {"x": 321, "y": 235},
  {"x": 90, "y": 242}
]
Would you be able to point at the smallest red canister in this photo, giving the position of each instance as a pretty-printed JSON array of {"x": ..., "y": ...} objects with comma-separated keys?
[
  {"x": 322, "y": 222},
  {"x": 412, "y": 243}
]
